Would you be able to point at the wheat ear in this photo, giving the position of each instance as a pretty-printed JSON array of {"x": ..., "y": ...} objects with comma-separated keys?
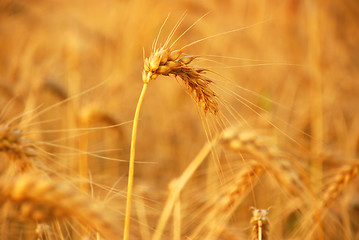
[
  {"x": 18, "y": 149},
  {"x": 246, "y": 179},
  {"x": 261, "y": 146},
  {"x": 165, "y": 61},
  {"x": 41, "y": 199},
  {"x": 338, "y": 183},
  {"x": 260, "y": 224},
  {"x": 224, "y": 206}
]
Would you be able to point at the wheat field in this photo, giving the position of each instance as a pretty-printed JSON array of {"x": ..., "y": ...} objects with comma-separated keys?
[{"x": 249, "y": 128}]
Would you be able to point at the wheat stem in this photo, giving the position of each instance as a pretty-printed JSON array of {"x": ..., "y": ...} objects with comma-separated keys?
[
  {"x": 131, "y": 168},
  {"x": 178, "y": 185}
]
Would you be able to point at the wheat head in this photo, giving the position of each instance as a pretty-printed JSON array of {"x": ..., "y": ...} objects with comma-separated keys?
[
  {"x": 245, "y": 180},
  {"x": 226, "y": 203},
  {"x": 18, "y": 149},
  {"x": 165, "y": 61},
  {"x": 341, "y": 179},
  {"x": 260, "y": 224},
  {"x": 260, "y": 145},
  {"x": 42, "y": 199}
]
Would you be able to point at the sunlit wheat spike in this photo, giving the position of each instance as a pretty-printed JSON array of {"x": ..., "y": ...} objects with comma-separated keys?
[
  {"x": 42, "y": 199},
  {"x": 165, "y": 61},
  {"x": 260, "y": 224}
]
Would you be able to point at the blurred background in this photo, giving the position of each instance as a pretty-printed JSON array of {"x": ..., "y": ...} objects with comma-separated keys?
[{"x": 66, "y": 66}]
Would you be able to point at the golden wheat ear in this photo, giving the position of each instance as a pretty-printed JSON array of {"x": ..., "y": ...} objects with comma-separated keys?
[{"x": 165, "y": 61}]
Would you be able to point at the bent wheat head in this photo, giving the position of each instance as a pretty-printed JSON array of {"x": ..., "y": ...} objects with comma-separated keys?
[{"x": 164, "y": 61}]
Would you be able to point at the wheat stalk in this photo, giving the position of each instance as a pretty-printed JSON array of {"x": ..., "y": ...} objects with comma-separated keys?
[
  {"x": 178, "y": 184},
  {"x": 42, "y": 199}
]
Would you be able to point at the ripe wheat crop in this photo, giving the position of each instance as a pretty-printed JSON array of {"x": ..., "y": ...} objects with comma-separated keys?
[{"x": 247, "y": 128}]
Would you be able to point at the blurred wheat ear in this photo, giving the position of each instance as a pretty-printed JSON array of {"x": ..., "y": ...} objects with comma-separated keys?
[
  {"x": 260, "y": 224},
  {"x": 41, "y": 199},
  {"x": 18, "y": 150}
]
